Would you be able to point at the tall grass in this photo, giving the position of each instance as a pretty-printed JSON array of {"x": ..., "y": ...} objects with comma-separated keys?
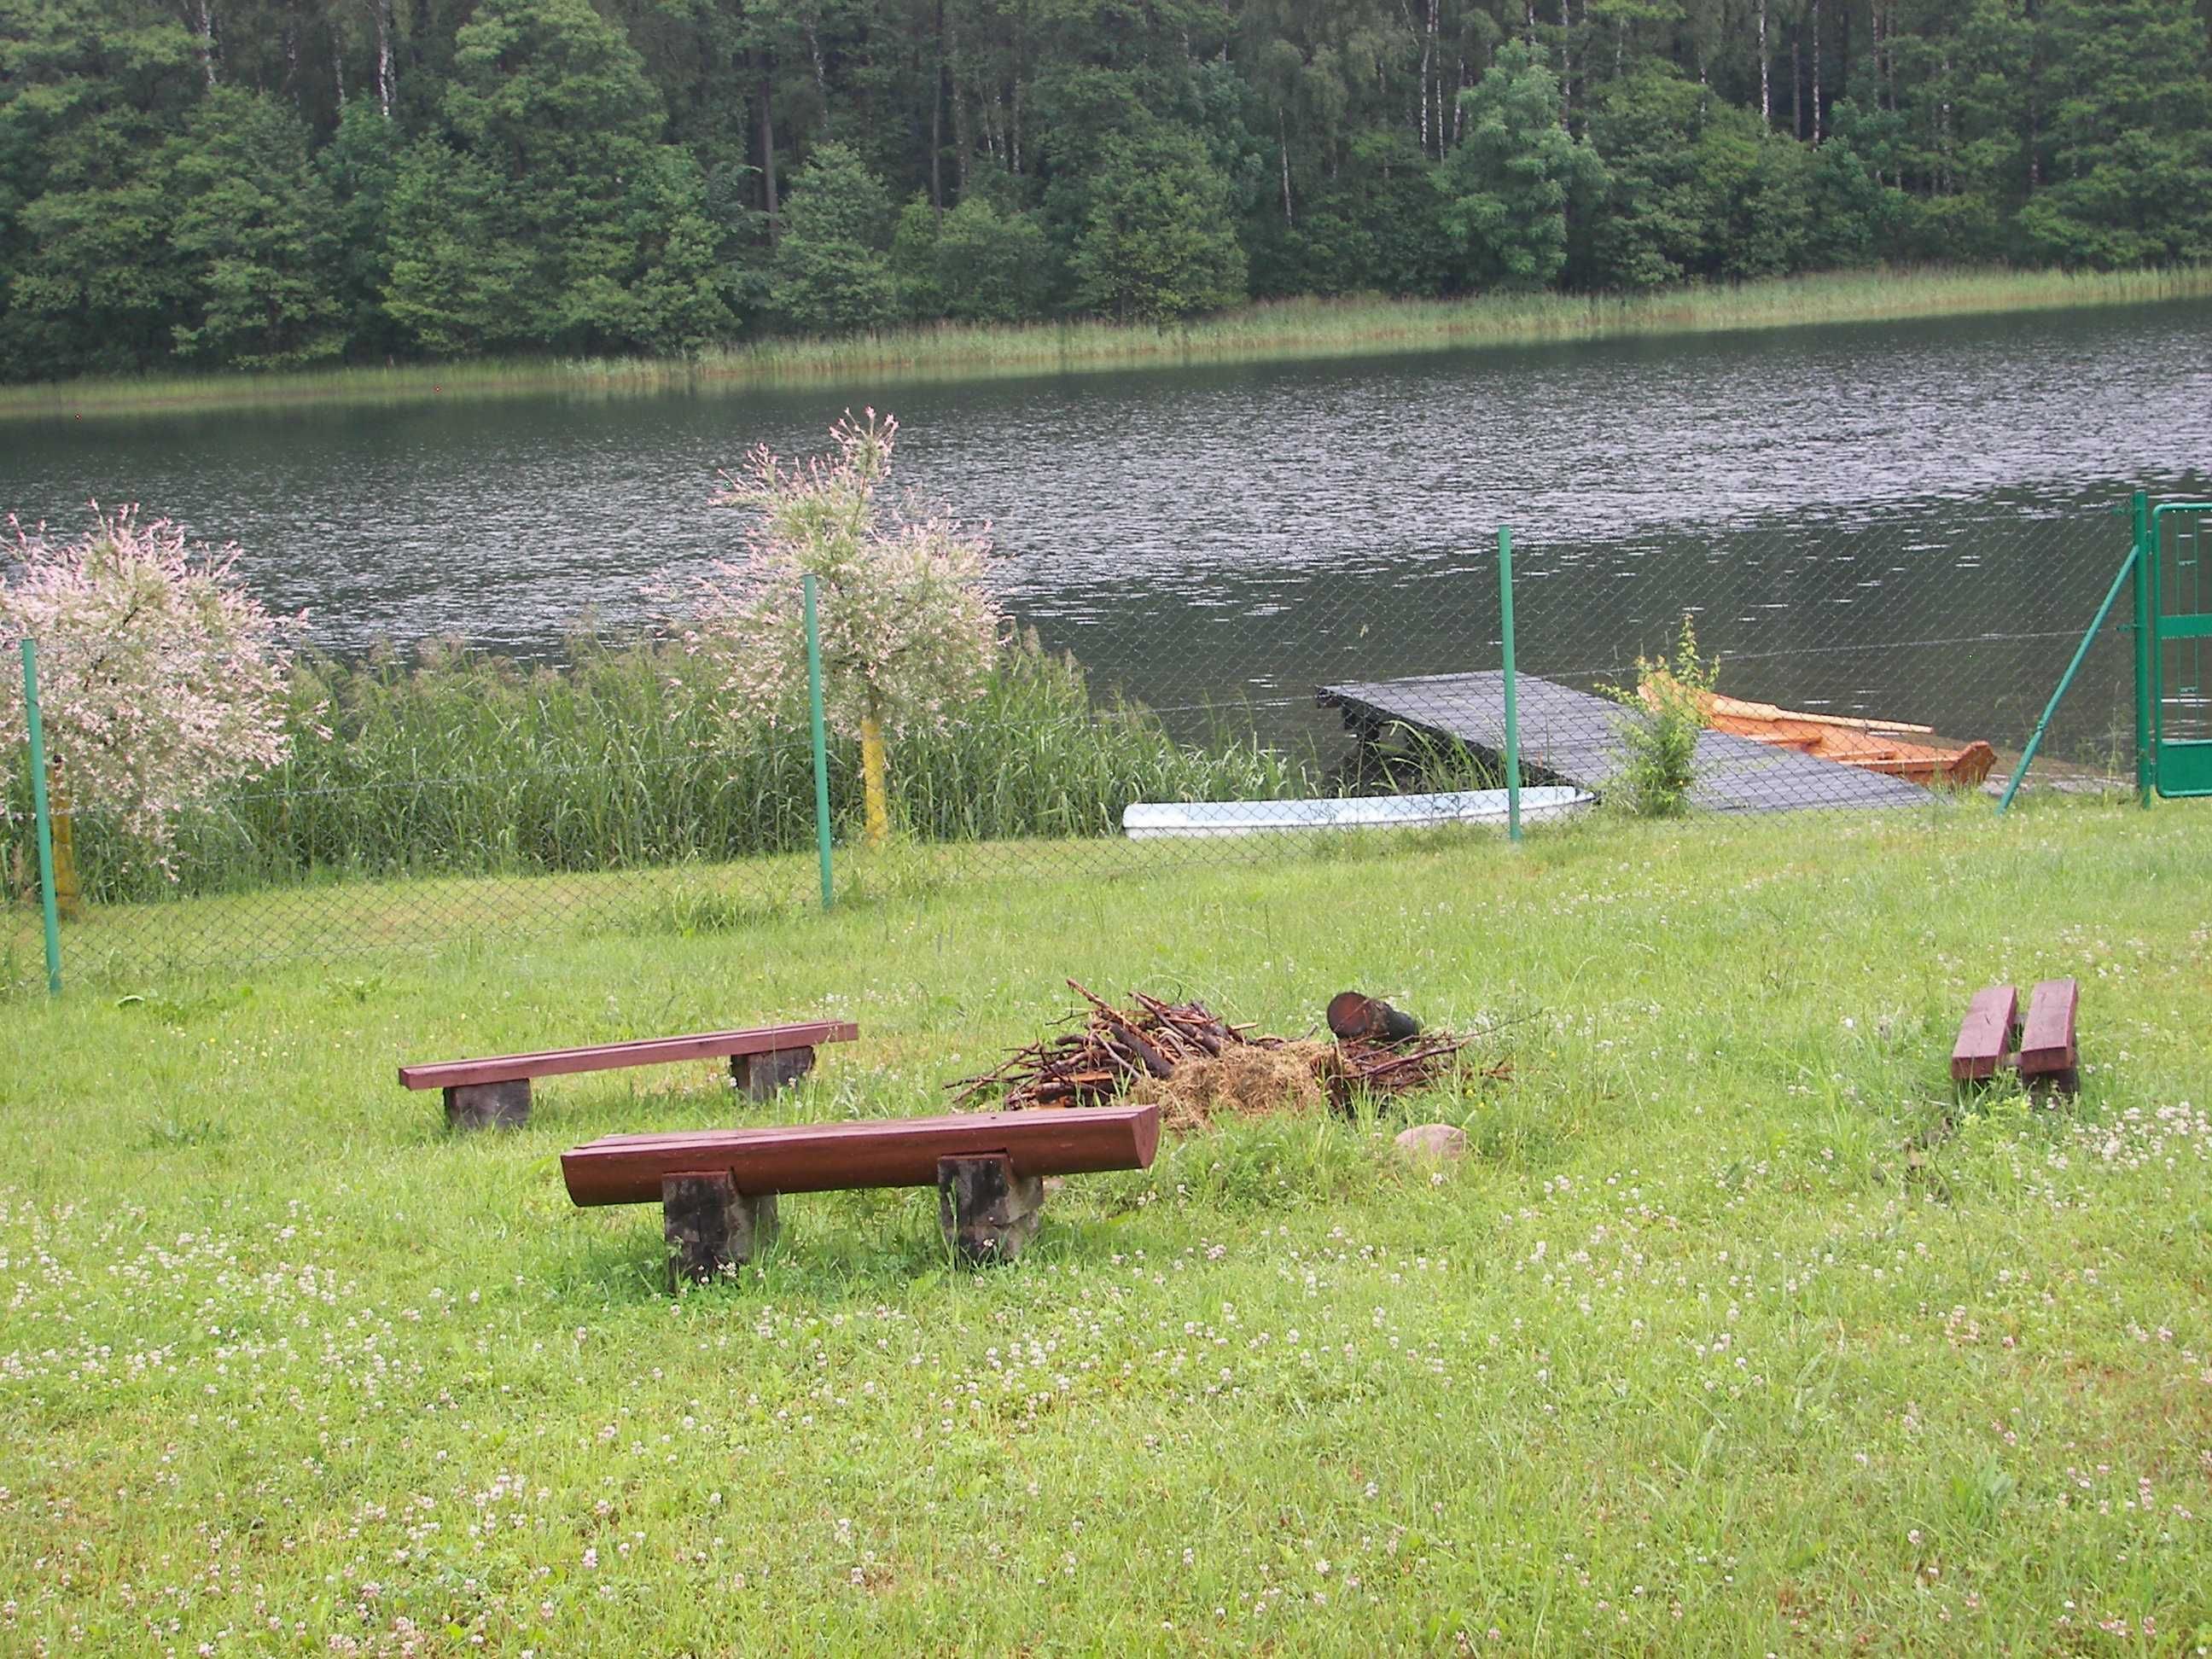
[
  {"x": 458, "y": 762},
  {"x": 1303, "y": 328}
]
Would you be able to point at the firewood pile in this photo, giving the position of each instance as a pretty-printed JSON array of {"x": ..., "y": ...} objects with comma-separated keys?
[
  {"x": 1361, "y": 1066},
  {"x": 1111, "y": 1050},
  {"x": 1151, "y": 1046}
]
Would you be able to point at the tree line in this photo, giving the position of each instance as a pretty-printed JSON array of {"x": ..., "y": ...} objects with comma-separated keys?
[{"x": 260, "y": 183}]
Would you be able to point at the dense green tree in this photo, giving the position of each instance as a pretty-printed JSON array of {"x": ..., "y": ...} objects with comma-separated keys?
[
  {"x": 255, "y": 236},
  {"x": 913, "y": 259},
  {"x": 1507, "y": 183},
  {"x": 90, "y": 91},
  {"x": 541, "y": 216},
  {"x": 1852, "y": 215},
  {"x": 360, "y": 165},
  {"x": 2129, "y": 137},
  {"x": 1759, "y": 195},
  {"x": 458, "y": 283},
  {"x": 1157, "y": 244},
  {"x": 235, "y": 180},
  {"x": 1659, "y": 207},
  {"x": 1377, "y": 226},
  {"x": 831, "y": 273},
  {"x": 1966, "y": 139},
  {"x": 992, "y": 267}
]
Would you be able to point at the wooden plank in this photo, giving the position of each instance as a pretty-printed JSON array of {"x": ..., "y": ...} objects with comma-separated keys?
[
  {"x": 821, "y": 1157},
  {"x": 2046, "y": 1040},
  {"x": 1985, "y": 1034},
  {"x": 610, "y": 1056}
]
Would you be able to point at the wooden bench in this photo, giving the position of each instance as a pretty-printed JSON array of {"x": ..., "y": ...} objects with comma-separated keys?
[
  {"x": 2041, "y": 1050},
  {"x": 480, "y": 1093},
  {"x": 717, "y": 1188}
]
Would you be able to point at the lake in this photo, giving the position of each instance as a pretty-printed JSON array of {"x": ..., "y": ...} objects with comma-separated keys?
[{"x": 1910, "y": 519}]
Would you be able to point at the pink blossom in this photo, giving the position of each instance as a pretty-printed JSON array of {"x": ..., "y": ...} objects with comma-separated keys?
[
  {"x": 161, "y": 679},
  {"x": 907, "y": 625}
]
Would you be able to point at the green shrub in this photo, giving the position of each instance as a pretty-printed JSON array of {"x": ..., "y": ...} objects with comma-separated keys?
[{"x": 1665, "y": 712}]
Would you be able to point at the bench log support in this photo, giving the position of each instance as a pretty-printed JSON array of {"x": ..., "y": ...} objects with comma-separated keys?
[
  {"x": 2041, "y": 1050},
  {"x": 988, "y": 1212},
  {"x": 2049, "y": 1055},
  {"x": 488, "y": 1105},
  {"x": 711, "y": 1226},
  {"x": 759, "y": 1076},
  {"x": 1986, "y": 1035}
]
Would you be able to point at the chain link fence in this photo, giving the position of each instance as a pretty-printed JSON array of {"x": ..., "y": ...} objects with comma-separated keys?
[{"x": 1893, "y": 661}]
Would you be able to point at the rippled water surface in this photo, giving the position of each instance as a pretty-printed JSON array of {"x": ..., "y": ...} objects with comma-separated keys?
[{"x": 1213, "y": 532}]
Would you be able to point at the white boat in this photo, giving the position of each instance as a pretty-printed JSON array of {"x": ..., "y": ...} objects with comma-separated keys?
[{"x": 1149, "y": 820}]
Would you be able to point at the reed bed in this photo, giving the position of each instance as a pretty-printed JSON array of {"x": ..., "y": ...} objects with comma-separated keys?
[
  {"x": 456, "y": 762},
  {"x": 1286, "y": 329}
]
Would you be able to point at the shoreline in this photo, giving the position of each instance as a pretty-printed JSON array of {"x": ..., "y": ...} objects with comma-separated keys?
[{"x": 1287, "y": 331}]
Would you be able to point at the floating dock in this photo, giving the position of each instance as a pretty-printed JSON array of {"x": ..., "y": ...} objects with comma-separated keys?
[{"x": 1572, "y": 737}]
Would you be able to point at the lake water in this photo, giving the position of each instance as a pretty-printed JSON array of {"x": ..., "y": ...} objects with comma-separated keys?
[{"x": 1911, "y": 518}]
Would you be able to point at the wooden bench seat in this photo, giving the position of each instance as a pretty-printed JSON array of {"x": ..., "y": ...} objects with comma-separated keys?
[
  {"x": 496, "y": 1090},
  {"x": 718, "y": 1187},
  {"x": 2041, "y": 1049}
]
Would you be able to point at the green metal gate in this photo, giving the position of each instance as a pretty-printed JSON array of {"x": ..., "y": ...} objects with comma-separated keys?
[{"x": 2178, "y": 652}]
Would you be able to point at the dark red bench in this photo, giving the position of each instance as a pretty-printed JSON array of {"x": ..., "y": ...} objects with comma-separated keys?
[
  {"x": 2042, "y": 1050},
  {"x": 717, "y": 1188},
  {"x": 482, "y": 1092}
]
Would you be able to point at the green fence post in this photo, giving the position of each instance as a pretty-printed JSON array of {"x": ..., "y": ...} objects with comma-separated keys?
[
  {"x": 45, "y": 821},
  {"x": 2146, "y": 649},
  {"x": 1512, "y": 695},
  {"x": 2131, "y": 566},
  {"x": 821, "y": 743}
]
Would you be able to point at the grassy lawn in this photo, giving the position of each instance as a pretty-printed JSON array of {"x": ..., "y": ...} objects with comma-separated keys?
[{"x": 1732, "y": 1334}]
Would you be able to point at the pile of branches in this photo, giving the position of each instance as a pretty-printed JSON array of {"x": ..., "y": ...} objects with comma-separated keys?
[
  {"x": 1111, "y": 1050},
  {"x": 1114, "y": 1047}
]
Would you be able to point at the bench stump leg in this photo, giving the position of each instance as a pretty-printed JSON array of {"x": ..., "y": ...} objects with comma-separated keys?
[
  {"x": 488, "y": 1105},
  {"x": 711, "y": 1226},
  {"x": 759, "y": 1076},
  {"x": 988, "y": 1212}
]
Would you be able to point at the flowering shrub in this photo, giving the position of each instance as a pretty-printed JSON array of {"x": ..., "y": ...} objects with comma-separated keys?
[
  {"x": 907, "y": 626},
  {"x": 161, "y": 679}
]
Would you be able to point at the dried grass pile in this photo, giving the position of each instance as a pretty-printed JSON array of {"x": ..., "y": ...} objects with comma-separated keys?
[{"x": 1254, "y": 1080}]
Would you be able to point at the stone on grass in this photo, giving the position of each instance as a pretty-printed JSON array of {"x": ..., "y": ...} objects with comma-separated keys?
[{"x": 1433, "y": 1141}]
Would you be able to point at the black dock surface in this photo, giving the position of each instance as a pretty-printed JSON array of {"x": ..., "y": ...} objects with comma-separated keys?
[{"x": 1574, "y": 737}]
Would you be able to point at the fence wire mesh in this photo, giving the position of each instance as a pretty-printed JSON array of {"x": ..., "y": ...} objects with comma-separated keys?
[{"x": 1266, "y": 708}]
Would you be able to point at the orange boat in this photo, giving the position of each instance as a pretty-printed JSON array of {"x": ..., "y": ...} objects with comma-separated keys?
[{"x": 1870, "y": 745}]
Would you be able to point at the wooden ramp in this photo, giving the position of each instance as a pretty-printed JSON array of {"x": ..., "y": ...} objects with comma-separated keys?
[{"x": 1571, "y": 737}]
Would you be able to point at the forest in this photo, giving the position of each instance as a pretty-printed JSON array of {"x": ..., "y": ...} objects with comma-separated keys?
[{"x": 275, "y": 183}]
